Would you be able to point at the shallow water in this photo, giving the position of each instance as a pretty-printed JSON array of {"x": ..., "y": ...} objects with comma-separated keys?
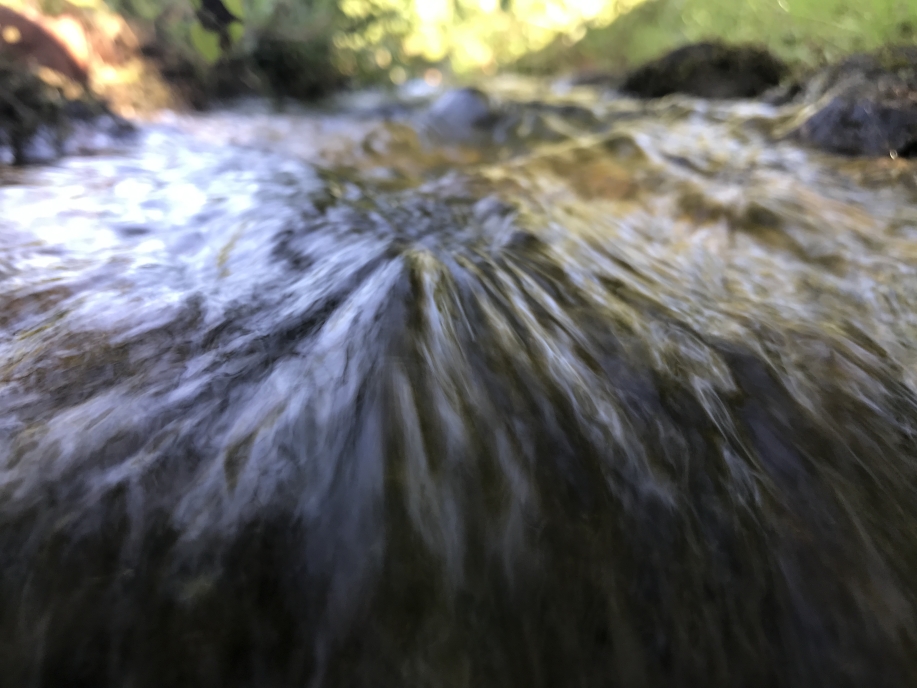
[{"x": 590, "y": 392}]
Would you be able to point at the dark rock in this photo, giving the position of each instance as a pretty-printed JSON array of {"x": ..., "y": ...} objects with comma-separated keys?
[
  {"x": 863, "y": 127},
  {"x": 868, "y": 105},
  {"x": 707, "y": 70}
]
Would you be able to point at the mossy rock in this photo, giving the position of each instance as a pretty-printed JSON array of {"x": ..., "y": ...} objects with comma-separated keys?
[{"x": 707, "y": 70}]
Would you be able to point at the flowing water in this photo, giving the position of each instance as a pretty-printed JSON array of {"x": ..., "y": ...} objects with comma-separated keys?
[{"x": 578, "y": 391}]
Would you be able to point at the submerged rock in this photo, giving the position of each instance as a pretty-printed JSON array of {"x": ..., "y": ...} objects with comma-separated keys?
[
  {"x": 469, "y": 117},
  {"x": 707, "y": 70}
]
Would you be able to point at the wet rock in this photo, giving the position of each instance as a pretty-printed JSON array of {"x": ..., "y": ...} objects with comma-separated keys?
[
  {"x": 864, "y": 126},
  {"x": 465, "y": 115},
  {"x": 867, "y": 105},
  {"x": 707, "y": 70}
]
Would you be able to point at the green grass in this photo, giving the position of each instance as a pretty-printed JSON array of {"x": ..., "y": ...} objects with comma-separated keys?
[{"x": 805, "y": 32}]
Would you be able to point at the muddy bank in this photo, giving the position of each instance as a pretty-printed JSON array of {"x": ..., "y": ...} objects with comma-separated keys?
[{"x": 68, "y": 82}]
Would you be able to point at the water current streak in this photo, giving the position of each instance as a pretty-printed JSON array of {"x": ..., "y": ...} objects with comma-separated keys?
[{"x": 626, "y": 410}]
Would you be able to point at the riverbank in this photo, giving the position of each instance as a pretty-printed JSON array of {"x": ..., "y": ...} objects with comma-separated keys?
[
  {"x": 181, "y": 57},
  {"x": 143, "y": 57},
  {"x": 864, "y": 105}
]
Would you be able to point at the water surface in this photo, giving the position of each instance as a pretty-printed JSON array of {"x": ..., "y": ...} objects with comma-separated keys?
[{"x": 577, "y": 391}]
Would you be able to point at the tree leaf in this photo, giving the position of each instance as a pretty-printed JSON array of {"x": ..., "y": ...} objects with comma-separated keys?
[
  {"x": 235, "y": 7},
  {"x": 206, "y": 43},
  {"x": 236, "y": 31}
]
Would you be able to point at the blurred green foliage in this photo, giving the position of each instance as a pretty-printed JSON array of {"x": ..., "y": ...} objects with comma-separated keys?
[
  {"x": 365, "y": 40},
  {"x": 802, "y": 32}
]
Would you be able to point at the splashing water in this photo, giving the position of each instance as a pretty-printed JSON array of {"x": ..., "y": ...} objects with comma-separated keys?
[{"x": 606, "y": 394}]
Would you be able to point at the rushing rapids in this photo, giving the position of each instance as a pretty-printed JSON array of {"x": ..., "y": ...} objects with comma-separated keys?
[{"x": 577, "y": 392}]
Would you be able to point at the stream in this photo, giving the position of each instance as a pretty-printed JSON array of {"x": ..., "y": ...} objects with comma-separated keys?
[{"x": 545, "y": 388}]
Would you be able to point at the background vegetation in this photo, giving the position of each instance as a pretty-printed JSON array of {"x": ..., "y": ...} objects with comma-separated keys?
[
  {"x": 323, "y": 43},
  {"x": 805, "y": 32}
]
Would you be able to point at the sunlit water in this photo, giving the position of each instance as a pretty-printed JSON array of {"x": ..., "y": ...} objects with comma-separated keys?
[{"x": 598, "y": 393}]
